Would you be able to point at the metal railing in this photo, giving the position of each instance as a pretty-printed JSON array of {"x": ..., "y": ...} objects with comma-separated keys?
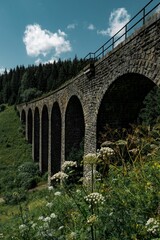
[{"x": 123, "y": 33}]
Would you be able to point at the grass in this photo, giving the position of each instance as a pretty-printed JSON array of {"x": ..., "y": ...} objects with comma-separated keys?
[{"x": 14, "y": 150}]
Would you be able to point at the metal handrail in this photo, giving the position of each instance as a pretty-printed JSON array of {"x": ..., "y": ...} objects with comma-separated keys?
[{"x": 111, "y": 43}]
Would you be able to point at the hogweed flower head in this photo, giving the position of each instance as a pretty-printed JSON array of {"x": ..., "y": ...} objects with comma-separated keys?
[
  {"x": 90, "y": 158},
  {"x": 49, "y": 204},
  {"x": 152, "y": 225},
  {"x": 95, "y": 198},
  {"x": 53, "y": 215},
  {"x": 50, "y": 188},
  {"x": 105, "y": 152},
  {"x": 59, "y": 176},
  {"x": 57, "y": 193},
  {"x": 47, "y": 219},
  {"x": 23, "y": 227},
  {"x": 68, "y": 164}
]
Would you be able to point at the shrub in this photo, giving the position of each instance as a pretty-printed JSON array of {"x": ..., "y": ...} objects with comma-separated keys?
[
  {"x": 2, "y": 107},
  {"x": 151, "y": 110},
  {"x": 27, "y": 176},
  {"x": 15, "y": 196}
]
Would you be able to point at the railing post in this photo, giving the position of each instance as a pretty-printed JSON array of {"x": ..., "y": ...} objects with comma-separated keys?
[
  {"x": 113, "y": 42},
  {"x": 144, "y": 14},
  {"x": 125, "y": 31},
  {"x": 94, "y": 56},
  {"x": 103, "y": 51}
]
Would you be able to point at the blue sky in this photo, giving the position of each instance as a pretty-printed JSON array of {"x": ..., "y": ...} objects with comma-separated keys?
[{"x": 34, "y": 31}]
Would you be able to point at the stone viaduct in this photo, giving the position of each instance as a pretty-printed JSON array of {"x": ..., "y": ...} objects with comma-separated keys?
[{"x": 76, "y": 112}]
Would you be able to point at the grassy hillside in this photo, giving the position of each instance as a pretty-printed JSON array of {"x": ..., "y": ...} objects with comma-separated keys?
[{"x": 14, "y": 150}]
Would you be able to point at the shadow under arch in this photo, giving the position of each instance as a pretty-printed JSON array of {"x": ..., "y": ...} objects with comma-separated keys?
[
  {"x": 36, "y": 134},
  {"x": 122, "y": 102},
  {"x": 23, "y": 117},
  {"x": 30, "y": 126},
  {"x": 55, "y": 139},
  {"x": 44, "y": 140},
  {"x": 74, "y": 131},
  {"x": 23, "y": 121}
]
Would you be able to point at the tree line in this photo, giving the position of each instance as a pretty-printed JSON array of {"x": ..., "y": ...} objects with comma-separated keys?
[{"x": 23, "y": 84}]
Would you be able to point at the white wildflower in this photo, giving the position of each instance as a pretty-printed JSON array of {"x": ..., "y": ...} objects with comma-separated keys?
[
  {"x": 22, "y": 227},
  {"x": 1, "y": 235},
  {"x": 90, "y": 158},
  {"x": 59, "y": 176},
  {"x": 49, "y": 204},
  {"x": 57, "y": 193},
  {"x": 95, "y": 198},
  {"x": 60, "y": 228},
  {"x": 152, "y": 225},
  {"x": 50, "y": 188},
  {"x": 78, "y": 191},
  {"x": 150, "y": 220},
  {"x": 41, "y": 218},
  {"x": 34, "y": 225},
  {"x": 47, "y": 219},
  {"x": 68, "y": 164},
  {"x": 105, "y": 152},
  {"x": 53, "y": 215}
]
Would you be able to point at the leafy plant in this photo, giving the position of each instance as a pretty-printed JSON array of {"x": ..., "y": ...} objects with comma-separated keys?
[{"x": 151, "y": 111}]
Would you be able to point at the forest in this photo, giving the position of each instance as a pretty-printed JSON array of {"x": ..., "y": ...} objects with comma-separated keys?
[{"x": 23, "y": 84}]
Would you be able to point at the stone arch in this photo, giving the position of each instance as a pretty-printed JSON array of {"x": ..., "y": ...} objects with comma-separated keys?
[
  {"x": 30, "y": 125},
  {"x": 122, "y": 101},
  {"x": 45, "y": 139},
  {"x": 56, "y": 124},
  {"x": 36, "y": 134},
  {"x": 74, "y": 127}
]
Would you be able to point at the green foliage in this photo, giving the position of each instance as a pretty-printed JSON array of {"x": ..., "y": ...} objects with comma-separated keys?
[
  {"x": 15, "y": 154},
  {"x": 151, "y": 111},
  {"x": 30, "y": 94},
  {"x": 27, "y": 176},
  {"x": 76, "y": 155},
  {"x": 23, "y": 84},
  {"x": 14, "y": 196},
  {"x": 2, "y": 107}
]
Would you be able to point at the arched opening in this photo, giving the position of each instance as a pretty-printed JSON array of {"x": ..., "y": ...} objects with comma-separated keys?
[
  {"x": 74, "y": 132},
  {"x": 36, "y": 134},
  {"x": 44, "y": 141},
  {"x": 23, "y": 117},
  {"x": 30, "y": 126},
  {"x": 122, "y": 102},
  {"x": 23, "y": 121},
  {"x": 55, "y": 139}
]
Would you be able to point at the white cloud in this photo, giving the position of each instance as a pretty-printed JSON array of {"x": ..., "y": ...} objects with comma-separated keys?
[
  {"x": 51, "y": 60},
  {"x": 2, "y": 70},
  {"x": 40, "y": 41},
  {"x": 117, "y": 20},
  {"x": 91, "y": 27},
  {"x": 158, "y": 9},
  {"x": 71, "y": 26}
]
